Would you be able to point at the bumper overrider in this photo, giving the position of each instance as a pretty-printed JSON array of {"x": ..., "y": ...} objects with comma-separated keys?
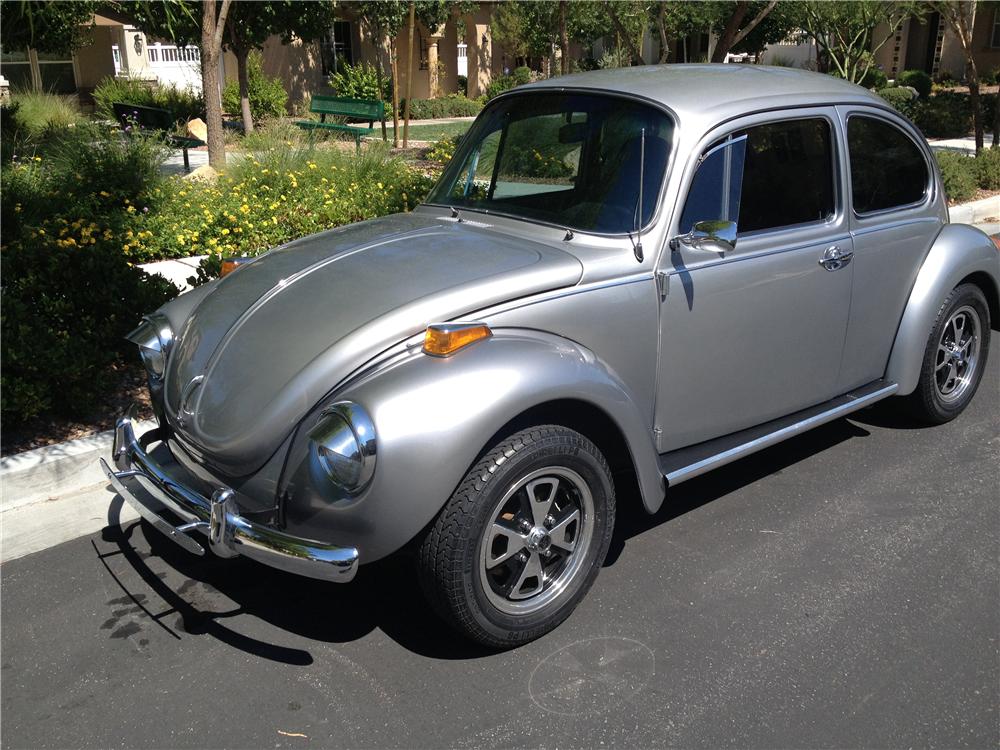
[{"x": 144, "y": 485}]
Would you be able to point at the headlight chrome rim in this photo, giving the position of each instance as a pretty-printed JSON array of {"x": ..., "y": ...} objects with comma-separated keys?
[
  {"x": 154, "y": 338},
  {"x": 343, "y": 442}
]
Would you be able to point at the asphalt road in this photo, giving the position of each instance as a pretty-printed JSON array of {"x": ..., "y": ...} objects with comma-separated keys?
[{"x": 839, "y": 590}]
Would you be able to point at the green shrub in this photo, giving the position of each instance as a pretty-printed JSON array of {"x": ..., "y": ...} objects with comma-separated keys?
[
  {"x": 65, "y": 313},
  {"x": 958, "y": 172},
  {"x": 85, "y": 187},
  {"x": 988, "y": 168},
  {"x": 37, "y": 112},
  {"x": 268, "y": 98},
  {"x": 498, "y": 85},
  {"x": 615, "y": 58},
  {"x": 902, "y": 100},
  {"x": 443, "y": 150},
  {"x": 916, "y": 79},
  {"x": 361, "y": 82},
  {"x": 521, "y": 75},
  {"x": 280, "y": 190},
  {"x": 463, "y": 84},
  {"x": 945, "y": 115},
  {"x": 183, "y": 104},
  {"x": 990, "y": 77},
  {"x": 453, "y": 105}
]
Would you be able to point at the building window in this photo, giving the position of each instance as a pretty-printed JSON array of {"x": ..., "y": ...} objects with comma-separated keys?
[
  {"x": 337, "y": 47},
  {"x": 995, "y": 39},
  {"x": 423, "y": 53},
  {"x": 29, "y": 69}
]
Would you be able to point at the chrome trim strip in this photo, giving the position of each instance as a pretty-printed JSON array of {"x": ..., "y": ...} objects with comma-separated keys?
[
  {"x": 733, "y": 454},
  {"x": 229, "y": 534}
]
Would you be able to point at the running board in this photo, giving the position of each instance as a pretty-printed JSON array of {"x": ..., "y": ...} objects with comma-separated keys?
[{"x": 686, "y": 463}]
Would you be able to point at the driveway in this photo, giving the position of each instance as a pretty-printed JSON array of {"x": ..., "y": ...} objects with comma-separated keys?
[{"x": 842, "y": 589}]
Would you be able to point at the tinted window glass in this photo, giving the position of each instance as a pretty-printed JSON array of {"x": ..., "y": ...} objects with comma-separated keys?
[
  {"x": 574, "y": 160},
  {"x": 783, "y": 172},
  {"x": 887, "y": 168},
  {"x": 788, "y": 176}
]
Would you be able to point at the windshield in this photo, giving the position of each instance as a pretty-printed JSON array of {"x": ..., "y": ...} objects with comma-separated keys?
[{"x": 567, "y": 159}]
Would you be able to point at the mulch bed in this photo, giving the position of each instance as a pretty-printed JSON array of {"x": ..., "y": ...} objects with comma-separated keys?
[{"x": 49, "y": 429}]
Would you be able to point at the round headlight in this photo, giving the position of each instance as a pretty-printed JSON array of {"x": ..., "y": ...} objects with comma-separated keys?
[
  {"x": 154, "y": 338},
  {"x": 343, "y": 442}
]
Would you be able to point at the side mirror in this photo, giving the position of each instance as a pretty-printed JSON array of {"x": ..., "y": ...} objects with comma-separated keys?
[{"x": 716, "y": 236}]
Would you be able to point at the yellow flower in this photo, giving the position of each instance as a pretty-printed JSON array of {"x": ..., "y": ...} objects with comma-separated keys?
[
  {"x": 38, "y": 158},
  {"x": 312, "y": 166},
  {"x": 225, "y": 232},
  {"x": 105, "y": 194},
  {"x": 212, "y": 241},
  {"x": 180, "y": 239}
]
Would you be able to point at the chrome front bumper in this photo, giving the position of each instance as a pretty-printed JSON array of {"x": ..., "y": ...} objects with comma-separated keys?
[{"x": 228, "y": 533}]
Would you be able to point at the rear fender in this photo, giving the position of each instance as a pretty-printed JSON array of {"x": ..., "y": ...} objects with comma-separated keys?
[{"x": 958, "y": 252}]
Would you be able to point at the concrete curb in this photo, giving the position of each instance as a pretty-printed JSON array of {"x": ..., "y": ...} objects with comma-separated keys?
[
  {"x": 976, "y": 211},
  {"x": 45, "y": 473}
]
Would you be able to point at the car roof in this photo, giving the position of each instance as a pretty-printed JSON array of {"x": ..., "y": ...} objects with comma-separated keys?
[{"x": 717, "y": 91}]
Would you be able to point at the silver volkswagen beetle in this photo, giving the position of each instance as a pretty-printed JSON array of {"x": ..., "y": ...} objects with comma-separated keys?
[{"x": 623, "y": 279}]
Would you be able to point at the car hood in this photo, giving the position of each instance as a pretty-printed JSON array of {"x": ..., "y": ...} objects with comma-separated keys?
[{"x": 276, "y": 336}]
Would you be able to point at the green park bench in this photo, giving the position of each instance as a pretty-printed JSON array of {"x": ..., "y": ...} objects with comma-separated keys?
[
  {"x": 355, "y": 109},
  {"x": 154, "y": 119}
]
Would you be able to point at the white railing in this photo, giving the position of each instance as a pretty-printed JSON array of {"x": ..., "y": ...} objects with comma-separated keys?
[
  {"x": 463, "y": 59},
  {"x": 175, "y": 66}
]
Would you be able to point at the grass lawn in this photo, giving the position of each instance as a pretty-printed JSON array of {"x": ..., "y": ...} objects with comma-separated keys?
[{"x": 432, "y": 132}]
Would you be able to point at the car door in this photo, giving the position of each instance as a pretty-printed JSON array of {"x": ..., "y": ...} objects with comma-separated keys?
[
  {"x": 755, "y": 332},
  {"x": 895, "y": 218}
]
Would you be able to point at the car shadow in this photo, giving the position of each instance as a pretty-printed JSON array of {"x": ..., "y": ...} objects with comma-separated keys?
[{"x": 385, "y": 594}]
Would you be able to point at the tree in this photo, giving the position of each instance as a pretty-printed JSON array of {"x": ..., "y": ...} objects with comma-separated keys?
[
  {"x": 529, "y": 29},
  {"x": 185, "y": 21},
  {"x": 249, "y": 24},
  {"x": 734, "y": 30},
  {"x": 384, "y": 19},
  {"x": 848, "y": 33},
  {"x": 959, "y": 16},
  {"x": 46, "y": 26},
  {"x": 213, "y": 23}
]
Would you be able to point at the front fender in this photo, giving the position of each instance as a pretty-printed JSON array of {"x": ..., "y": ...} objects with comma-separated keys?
[
  {"x": 958, "y": 252},
  {"x": 433, "y": 418}
]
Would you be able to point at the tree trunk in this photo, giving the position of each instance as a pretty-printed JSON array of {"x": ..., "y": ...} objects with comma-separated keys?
[
  {"x": 409, "y": 78},
  {"x": 996, "y": 122},
  {"x": 975, "y": 101},
  {"x": 244, "y": 78},
  {"x": 563, "y": 37},
  {"x": 633, "y": 50},
  {"x": 395, "y": 93},
  {"x": 661, "y": 27},
  {"x": 728, "y": 36},
  {"x": 211, "y": 52}
]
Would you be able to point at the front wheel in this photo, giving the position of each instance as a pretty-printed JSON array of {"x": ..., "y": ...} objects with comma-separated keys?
[
  {"x": 522, "y": 538},
  {"x": 955, "y": 357}
]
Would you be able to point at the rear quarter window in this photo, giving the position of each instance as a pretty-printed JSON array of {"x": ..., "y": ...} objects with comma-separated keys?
[{"x": 888, "y": 170}]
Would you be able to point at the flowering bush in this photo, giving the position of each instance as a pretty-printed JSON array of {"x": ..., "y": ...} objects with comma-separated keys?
[
  {"x": 441, "y": 151},
  {"x": 269, "y": 198}
]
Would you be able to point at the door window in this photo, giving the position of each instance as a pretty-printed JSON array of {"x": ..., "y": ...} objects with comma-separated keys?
[
  {"x": 784, "y": 173},
  {"x": 887, "y": 168}
]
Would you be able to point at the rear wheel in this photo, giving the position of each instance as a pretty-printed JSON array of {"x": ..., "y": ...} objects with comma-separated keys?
[
  {"x": 522, "y": 538},
  {"x": 955, "y": 357}
]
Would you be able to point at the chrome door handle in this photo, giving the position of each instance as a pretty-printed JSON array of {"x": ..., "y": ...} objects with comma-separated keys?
[{"x": 834, "y": 258}]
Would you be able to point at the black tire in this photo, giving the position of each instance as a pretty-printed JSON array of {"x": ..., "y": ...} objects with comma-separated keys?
[
  {"x": 929, "y": 403},
  {"x": 453, "y": 566}
]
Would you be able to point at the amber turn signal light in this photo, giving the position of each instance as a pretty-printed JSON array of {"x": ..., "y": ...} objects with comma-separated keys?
[
  {"x": 231, "y": 264},
  {"x": 443, "y": 340}
]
